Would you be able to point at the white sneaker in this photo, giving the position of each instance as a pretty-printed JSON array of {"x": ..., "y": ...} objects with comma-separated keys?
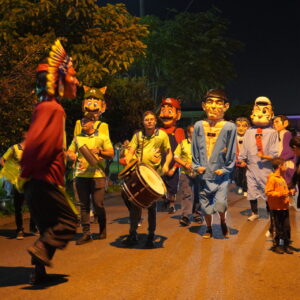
[
  {"x": 253, "y": 217},
  {"x": 245, "y": 194},
  {"x": 240, "y": 191}
]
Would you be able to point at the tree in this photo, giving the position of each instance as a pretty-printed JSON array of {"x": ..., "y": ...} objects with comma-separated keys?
[
  {"x": 239, "y": 110},
  {"x": 102, "y": 40},
  {"x": 128, "y": 98},
  {"x": 189, "y": 54}
]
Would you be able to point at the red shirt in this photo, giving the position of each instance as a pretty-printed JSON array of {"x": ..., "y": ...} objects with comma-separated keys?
[
  {"x": 178, "y": 132},
  {"x": 44, "y": 157}
]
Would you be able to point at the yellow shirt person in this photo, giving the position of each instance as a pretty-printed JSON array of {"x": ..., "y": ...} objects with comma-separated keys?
[
  {"x": 93, "y": 141},
  {"x": 150, "y": 148}
]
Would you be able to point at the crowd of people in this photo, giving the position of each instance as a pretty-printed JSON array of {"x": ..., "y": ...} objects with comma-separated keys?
[{"x": 261, "y": 157}]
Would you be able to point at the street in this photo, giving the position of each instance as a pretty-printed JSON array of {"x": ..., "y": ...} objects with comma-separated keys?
[{"x": 182, "y": 266}]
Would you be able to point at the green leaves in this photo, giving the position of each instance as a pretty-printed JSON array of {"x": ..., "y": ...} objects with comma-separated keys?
[
  {"x": 189, "y": 54},
  {"x": 103, "y": 41}
]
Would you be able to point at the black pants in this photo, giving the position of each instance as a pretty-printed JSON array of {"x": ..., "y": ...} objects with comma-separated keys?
[
  {"x": 135, "y": 213},
  {"x": 281, "y": 226},
  {"x": 239, "y": 176},
  {"x": 18, "y": 205},
  {"x": 91, "y": 189},
  {"x": 52, "y": 213}
]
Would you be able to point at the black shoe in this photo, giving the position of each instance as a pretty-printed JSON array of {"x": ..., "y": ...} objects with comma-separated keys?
[
  {"x": 38, "y": 275},
  {"x": 39, "y": 253},
  {"x": 184, "y": 221},
  {"x": 172, "y": 210},
  {"x": 224, "y": 229},
  {"x": 288, "y": 250},
  {"x": 131, "y": 240},
  {"x": 102, "y": 235},
  {"x": 198, "y": 219},
  {"x": 278, "y": 250},
  {"x": 208, "y": 233},
  {"x": 150, "y": 241},
  {"x": 85, "y": 238}
]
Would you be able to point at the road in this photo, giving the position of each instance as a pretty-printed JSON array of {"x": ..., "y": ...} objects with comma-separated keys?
[{"x": 183, "y": 265}]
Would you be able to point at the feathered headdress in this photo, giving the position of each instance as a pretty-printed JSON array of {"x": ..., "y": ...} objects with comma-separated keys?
[{"x": 59, "y": 63}]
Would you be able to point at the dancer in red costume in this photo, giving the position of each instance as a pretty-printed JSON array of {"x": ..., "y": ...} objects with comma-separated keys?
[
  {"x": 170, "y": 113},
  {"x": 43, "y": 161}
]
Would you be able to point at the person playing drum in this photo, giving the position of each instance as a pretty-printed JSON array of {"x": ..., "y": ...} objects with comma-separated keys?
[
  {"x": 90, "y": 179},
  {"x": 148, "y": 145}
]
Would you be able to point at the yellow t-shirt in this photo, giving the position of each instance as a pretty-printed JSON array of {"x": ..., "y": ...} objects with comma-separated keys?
[
  {"x": 12, "y": 168},
  {"x": 153, "y": 147},
  {"x": 93, "y": 141},
  {"x": 184, "y": 151},
  {"x": 102, "y": 128}
]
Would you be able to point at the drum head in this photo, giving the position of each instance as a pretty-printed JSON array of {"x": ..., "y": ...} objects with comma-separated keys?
[
  {"x": 128, "y": 169},
  {"x": 152, "y": 178}
]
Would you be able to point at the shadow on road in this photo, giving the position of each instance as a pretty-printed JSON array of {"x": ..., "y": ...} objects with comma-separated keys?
[
  {"x": 11, "y": 233},
  {"x": 124, "y": 220},
  {"x": 12, "y": 276},
  {"x": 263, "y": 214},
  {"x": 120, "y": 242},
  {"x": 217, "y": 232}
]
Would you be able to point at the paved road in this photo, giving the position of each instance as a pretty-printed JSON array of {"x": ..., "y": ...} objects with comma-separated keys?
[{"x": 183, "y": 266}]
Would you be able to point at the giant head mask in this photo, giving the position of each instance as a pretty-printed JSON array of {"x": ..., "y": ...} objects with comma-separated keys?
[
  {"x": 280, "y": 123},
  {"x": 56, "y": 77},
  {"x": 262, "y": 112},
  {"x": 242, "y": 124},
  {"x": 215, "y": 104},
  {"x": 170, "y": 111},
  {"x": 94, "y": 100}
]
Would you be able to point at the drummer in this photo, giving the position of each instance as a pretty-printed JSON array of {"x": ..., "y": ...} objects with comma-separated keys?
[
  {"x": 148, "y": 145},
  {"x": 90, "y": 180}
]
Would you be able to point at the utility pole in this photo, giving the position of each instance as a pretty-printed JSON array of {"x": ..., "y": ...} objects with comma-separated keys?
[
  {"x": 142, "y": 8},
  {"x": 142, "y": 14}
]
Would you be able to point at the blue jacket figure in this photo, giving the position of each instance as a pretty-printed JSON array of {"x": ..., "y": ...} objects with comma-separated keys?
[{"x": 214, "y": 154}]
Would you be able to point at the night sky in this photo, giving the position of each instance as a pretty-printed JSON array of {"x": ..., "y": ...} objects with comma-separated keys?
[{"x": 270, "y": 63}]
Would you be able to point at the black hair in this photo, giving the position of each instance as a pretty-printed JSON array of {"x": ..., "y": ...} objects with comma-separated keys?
[
  {"x": 277, "y": 162},
  {"x": 295, "y": 142},
  {"x": 282, "y": 118}
]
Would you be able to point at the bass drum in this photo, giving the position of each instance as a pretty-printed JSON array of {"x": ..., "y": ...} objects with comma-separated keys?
[{"x": 142, "y": 185}]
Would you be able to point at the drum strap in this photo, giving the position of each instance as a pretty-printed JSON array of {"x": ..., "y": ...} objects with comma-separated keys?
[{"x": 143, "y": 140}]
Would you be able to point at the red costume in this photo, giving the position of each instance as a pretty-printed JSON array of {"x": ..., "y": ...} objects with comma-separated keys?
[{"x": 170, "y": 113}]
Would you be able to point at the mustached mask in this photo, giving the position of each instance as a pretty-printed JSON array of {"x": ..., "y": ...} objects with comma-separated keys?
[
  {"x": 94, "y": 101},
  {"x": 170, "y": 111}
]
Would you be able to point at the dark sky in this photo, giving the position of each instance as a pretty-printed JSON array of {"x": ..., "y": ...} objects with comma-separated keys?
[{"x": 270, "y": 63}]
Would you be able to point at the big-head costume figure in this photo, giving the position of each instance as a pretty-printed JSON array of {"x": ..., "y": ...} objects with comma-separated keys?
[
  {"x": 93, "y": 104},
  {"x": 239, "y": 172},
  {"x": 280, "y": 124},
  {"x": 214, "y": 155},
  {"x": 43, "y": 161},
  {"x": 170, "y": 113},
  {"x": 260, "y": 146}
]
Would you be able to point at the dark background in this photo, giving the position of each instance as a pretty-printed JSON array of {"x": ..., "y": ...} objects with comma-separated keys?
[{"x": 269, "y": 65}]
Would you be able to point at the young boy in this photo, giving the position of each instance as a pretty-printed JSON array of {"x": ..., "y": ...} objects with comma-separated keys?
[{"x": 278, "y": 199}]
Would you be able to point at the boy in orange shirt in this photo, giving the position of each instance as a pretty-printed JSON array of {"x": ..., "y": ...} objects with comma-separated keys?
[{"x": 278, "y": 199}]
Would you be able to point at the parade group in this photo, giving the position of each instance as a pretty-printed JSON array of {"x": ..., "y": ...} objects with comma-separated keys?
[{"x": 260, "y": 158}]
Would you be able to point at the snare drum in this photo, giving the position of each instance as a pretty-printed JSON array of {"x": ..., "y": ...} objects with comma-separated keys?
[{"x": 142, "y": 184}]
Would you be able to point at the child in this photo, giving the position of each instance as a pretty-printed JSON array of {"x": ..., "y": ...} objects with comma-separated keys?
[{"x": 278, "y": 199}]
